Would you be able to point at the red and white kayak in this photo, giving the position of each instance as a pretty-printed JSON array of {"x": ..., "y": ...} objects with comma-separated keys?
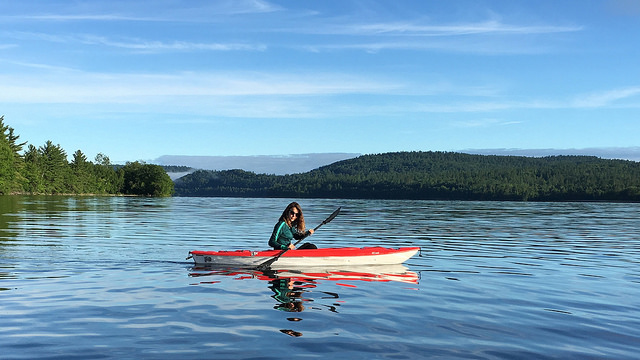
[{"x": 306, "y": 257}]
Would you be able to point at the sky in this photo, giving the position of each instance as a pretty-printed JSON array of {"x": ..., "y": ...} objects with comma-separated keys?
[{"x": 138, "y": 80}]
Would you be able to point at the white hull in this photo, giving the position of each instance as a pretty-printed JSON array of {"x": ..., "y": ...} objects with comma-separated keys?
[{"x": 308, "y": 258}]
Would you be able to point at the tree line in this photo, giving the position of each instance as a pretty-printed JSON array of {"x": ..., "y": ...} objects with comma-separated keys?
[
  {"x": 46, "y": 170},
  {"x": 435, "y": 176}
]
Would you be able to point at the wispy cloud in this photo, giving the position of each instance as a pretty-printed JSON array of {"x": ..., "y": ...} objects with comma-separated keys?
[
  {"x": 348, "y": 33},
  {"x": 607, "y": 98},
  {"x": 79, "y": 17},
  {"x": 484, "y": 123},
  {"x": 463, "y": 45},
  {"x": 611, "y": 98},
  {"x": 160, "y": 46},
  {"x": 152, "y": 11},
  {"x": 301, "y": 94},
  {"x": 135, "y": 44},
  {"x": 84, "y": 87},
  {"x": 413, "y": 29},
  {"x": 34, "y": 65},
  {"x": 488, "y": 37}
]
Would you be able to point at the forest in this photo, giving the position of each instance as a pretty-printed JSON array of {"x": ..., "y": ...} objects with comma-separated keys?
[
  {"x": 401, "y": 175},
  {"x": 435, "y": 176},
  {"x": 46, "y": 170}
]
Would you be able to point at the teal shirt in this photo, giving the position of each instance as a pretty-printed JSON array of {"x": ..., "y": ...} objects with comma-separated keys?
[{"x": 283, "y": 235}]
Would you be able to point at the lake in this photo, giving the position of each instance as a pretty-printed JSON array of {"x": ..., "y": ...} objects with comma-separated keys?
[{"x": 107, "y": 278}]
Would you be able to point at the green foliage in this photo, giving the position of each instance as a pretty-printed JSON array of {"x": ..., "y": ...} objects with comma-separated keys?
[
  {"x": 32, "y": 171},
  {"x": 46, "y": 170},
  {"x": 7, "y": 168},
  {"x": 146, "y": 180},
  {"x": 435, "y": 176},
  {"x": 55, "y": 169},
  {"x": 176, "y": 168},
  {"x": 403, "y": 175},
  {"x": 10, "y": 160}
]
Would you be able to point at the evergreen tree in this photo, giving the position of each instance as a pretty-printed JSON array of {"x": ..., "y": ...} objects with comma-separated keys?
[
  {"x": 8, "y": 172},
  {"x": 55, "y": 168},
  {"x": 435, "y": 176},
  {"x": 11, "y": 162},
  {"x": 82, "y": 175},
  {"x": 33, "y": 171},
  {"x": 8, "y": 133}
]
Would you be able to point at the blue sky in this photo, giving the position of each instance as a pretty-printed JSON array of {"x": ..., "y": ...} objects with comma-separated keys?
[{"x": 136, "y": 80}]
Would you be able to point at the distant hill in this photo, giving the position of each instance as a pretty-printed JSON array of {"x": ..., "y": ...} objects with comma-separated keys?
[
  {"x": 434, "y": 176},
  {"x": 259, "y": 164}
]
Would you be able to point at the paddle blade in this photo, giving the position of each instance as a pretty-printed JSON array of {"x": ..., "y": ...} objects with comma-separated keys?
[
  {"x": 331, "y": 217},
  {"x": 267, "y": 264}
]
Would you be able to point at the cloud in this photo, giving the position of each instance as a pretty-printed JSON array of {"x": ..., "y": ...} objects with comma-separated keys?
[
  {"x": 606, "y": 98},
  {"x": 277, "y": 95},
  {"x": 461, "y": 45},
  {"x": 482, "y": 37},
  {"x": 136, "y": 44},
  {"x": 38, "y": 66},
  {"x": 488, "y": 37},
  {"x": 412, "y": 29},
  {"x": 483, "y": 123},
  {"x": 603, "y": 99},
  {"x": 129, "y": 11},
  {"x": 78, "y": 17},
  {"x": 160, "y": 46},
  {"x": 86, "y": 87}
]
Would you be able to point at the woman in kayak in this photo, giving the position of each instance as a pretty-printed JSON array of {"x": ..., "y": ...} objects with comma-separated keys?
[{"x": 290, "y": 226}]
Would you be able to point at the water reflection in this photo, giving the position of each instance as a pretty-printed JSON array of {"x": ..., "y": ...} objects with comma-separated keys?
[
  {"x": 289, "y": 297},
  {"x": 288, "y": 294},
  {"x": 9, "y": 206},
  {"x": 298, "y": 290},
  {"x": 311, "y": 275}
]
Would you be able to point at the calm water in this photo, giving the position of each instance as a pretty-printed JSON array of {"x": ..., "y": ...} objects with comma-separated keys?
[{"x": 93, "y": 278}]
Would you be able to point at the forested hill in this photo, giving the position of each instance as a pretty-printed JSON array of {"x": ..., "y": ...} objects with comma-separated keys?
[{"x": 434, "y": 176}]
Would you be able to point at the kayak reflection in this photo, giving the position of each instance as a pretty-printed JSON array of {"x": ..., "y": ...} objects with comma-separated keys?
[
  {"x": 291, "y": 288},
  {"x": 371, "y": 273}
]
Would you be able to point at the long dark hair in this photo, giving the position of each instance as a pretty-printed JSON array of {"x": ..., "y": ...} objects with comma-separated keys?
[{"x": 299, "y": 221}]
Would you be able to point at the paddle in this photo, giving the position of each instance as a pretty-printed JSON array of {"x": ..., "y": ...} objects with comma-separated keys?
[{"x": 265, "y": 265}]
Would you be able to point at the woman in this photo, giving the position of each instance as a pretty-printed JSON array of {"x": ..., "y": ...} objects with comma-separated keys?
[{"x": 290, "y": 226}]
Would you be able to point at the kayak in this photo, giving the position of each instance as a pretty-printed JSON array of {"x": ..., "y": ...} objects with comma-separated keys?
[
  {"x": 306, "y": 257},
  {"x": 368, "y": 273}
]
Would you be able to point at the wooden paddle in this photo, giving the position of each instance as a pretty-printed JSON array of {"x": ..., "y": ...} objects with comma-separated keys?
[{"x": 265, "y": 265}]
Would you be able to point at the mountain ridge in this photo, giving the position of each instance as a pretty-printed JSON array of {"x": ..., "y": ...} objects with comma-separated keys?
[{"x": 435, "y": 176}]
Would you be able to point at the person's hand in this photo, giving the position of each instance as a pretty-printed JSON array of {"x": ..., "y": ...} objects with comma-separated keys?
[
  {"x": 291, "y": 246},
  {"x": 310, "y": 231}
]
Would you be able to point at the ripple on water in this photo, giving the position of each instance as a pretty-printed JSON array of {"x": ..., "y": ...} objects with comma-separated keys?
[{"x": 106, "y": 278}]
